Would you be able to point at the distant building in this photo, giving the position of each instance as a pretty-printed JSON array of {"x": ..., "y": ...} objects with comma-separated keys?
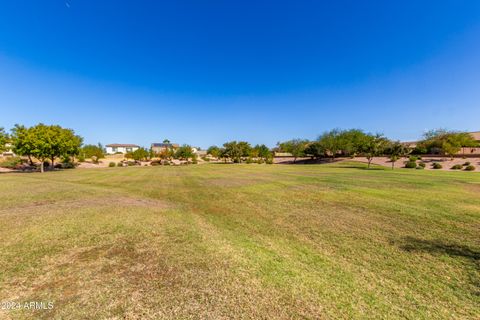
[
  {"x": 199, "y": 152},
  {"x": 160, "y": 147},
  {"x": 8, "y": 151},
  {"x": 120, "y": 148}
]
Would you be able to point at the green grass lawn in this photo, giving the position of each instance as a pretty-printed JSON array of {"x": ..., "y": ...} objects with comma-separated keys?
[{"x": 241, "y": 241}]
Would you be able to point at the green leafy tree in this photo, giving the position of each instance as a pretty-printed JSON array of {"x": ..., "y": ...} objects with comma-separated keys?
[
  {"x": 23, "y": 141},
  {"x": 236, "y": 150},
  {"x": 151, "y": 153},
  {"x": 296, "y": 147},
  {"x": 316, "y": 150},
  {"x": 448, "y": 142},
  {"x": 185, "y": 152},
  {"x": 331, "y": 142},
  {"x": 4, "y": 139},
  {"x": 373, "y": 146},
  {"x": 261, "y": 151},
  {"x": 350, "y": 141},
  {"x": 395, "y": 151},
  {"x": 45, "y": 142},
  {"x": 141, "y": 154},
  {"x": 91, "y": 150},
  {"x": 214, "y": 151}
]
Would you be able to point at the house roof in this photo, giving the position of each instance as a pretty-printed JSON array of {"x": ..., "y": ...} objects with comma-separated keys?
[{"x": 126, "y": 145}]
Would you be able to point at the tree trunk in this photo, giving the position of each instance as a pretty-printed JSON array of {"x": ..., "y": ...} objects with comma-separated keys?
[
  {"x": 53, "y": 162},
  {"x": 41, "y": 167},
  {"x": 369, "y": 160},
  {"x": 30, "y": 160},
  {"x": 393, "y": 165},
  {"x": 294, "y": 159}
]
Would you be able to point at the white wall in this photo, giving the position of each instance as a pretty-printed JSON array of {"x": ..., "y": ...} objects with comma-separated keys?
[{"x": 123, "y": 150}]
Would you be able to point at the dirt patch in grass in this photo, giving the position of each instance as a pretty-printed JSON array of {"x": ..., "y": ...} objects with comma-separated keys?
[{"x": 107, "y": 201}]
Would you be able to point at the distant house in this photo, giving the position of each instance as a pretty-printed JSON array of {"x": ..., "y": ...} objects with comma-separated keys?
[
  {"x": 199, "y": 152},
  {"x": 120, "y": 148},
  {"x": 160, "y": 147},
  {"x": 8, "y": 151}
]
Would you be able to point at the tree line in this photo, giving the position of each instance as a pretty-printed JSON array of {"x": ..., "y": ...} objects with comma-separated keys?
[
  {"x": 241, "y": 151},
  {"x": 50, "y": 142},
  {"x": 355, "y": 142}
]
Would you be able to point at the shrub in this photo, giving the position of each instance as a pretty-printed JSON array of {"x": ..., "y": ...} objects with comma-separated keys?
[
  {"x": 422, "y": 164},
  {"x": 436, "y": 165},
  {"x": 259, "y": 160},
  {"x": 411, "y": 165},
  {"x": 456, "y": 167},
  {"x": 412, "y": 159},
  {"x": 467, "y": 163},
  {"x": 120, "y": 164},
  {"x": 112, "y": 164},
  {"x": 420, "y": 168},
  {"x": 269, "y": 161},
  {"x": 81, "y": 158},
  {"x": 68, "y": 165},
  {"x": 469, "y": 168},
  {"x": 11, "y": 163}
]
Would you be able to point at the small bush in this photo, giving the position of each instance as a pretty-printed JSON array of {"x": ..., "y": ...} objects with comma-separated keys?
[
  {"x": 467, "y": 163},
  {"x": 120, "y": 164},
  {"x": 422, "y": 164},
  {"x": 411, "y": 165},
  {"x": 81, "y": 158},
  {"x": 456, "y": 167},
  {"x": 11, "y": 163},
  {"x": 260, "y": 161},
  {"x": 412, "y": 159},
  {"x": 112, "y": 164},
  {"x": 436, "y": 165},
  {"x": 269, "y": 161},
  {"x": 470, "y": 168},
  {"x": 420, "y": 168},
  {"x": 68, "y": 165},
  {"x": 249, "y": 160}
]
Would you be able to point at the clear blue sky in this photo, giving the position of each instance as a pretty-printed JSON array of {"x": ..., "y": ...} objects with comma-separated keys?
[{"x": 204, "y": 72}]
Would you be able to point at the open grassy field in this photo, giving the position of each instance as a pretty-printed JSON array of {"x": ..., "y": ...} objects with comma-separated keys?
[{"x": 241, "y": 241}]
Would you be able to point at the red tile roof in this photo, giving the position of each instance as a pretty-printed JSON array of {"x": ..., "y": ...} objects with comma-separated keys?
[{"x": 122, "y": 145}]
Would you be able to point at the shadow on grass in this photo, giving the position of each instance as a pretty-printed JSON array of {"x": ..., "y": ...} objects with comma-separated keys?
[
  {"x": 439, "y": 247},
  {"x": 470, "y": 256}
]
